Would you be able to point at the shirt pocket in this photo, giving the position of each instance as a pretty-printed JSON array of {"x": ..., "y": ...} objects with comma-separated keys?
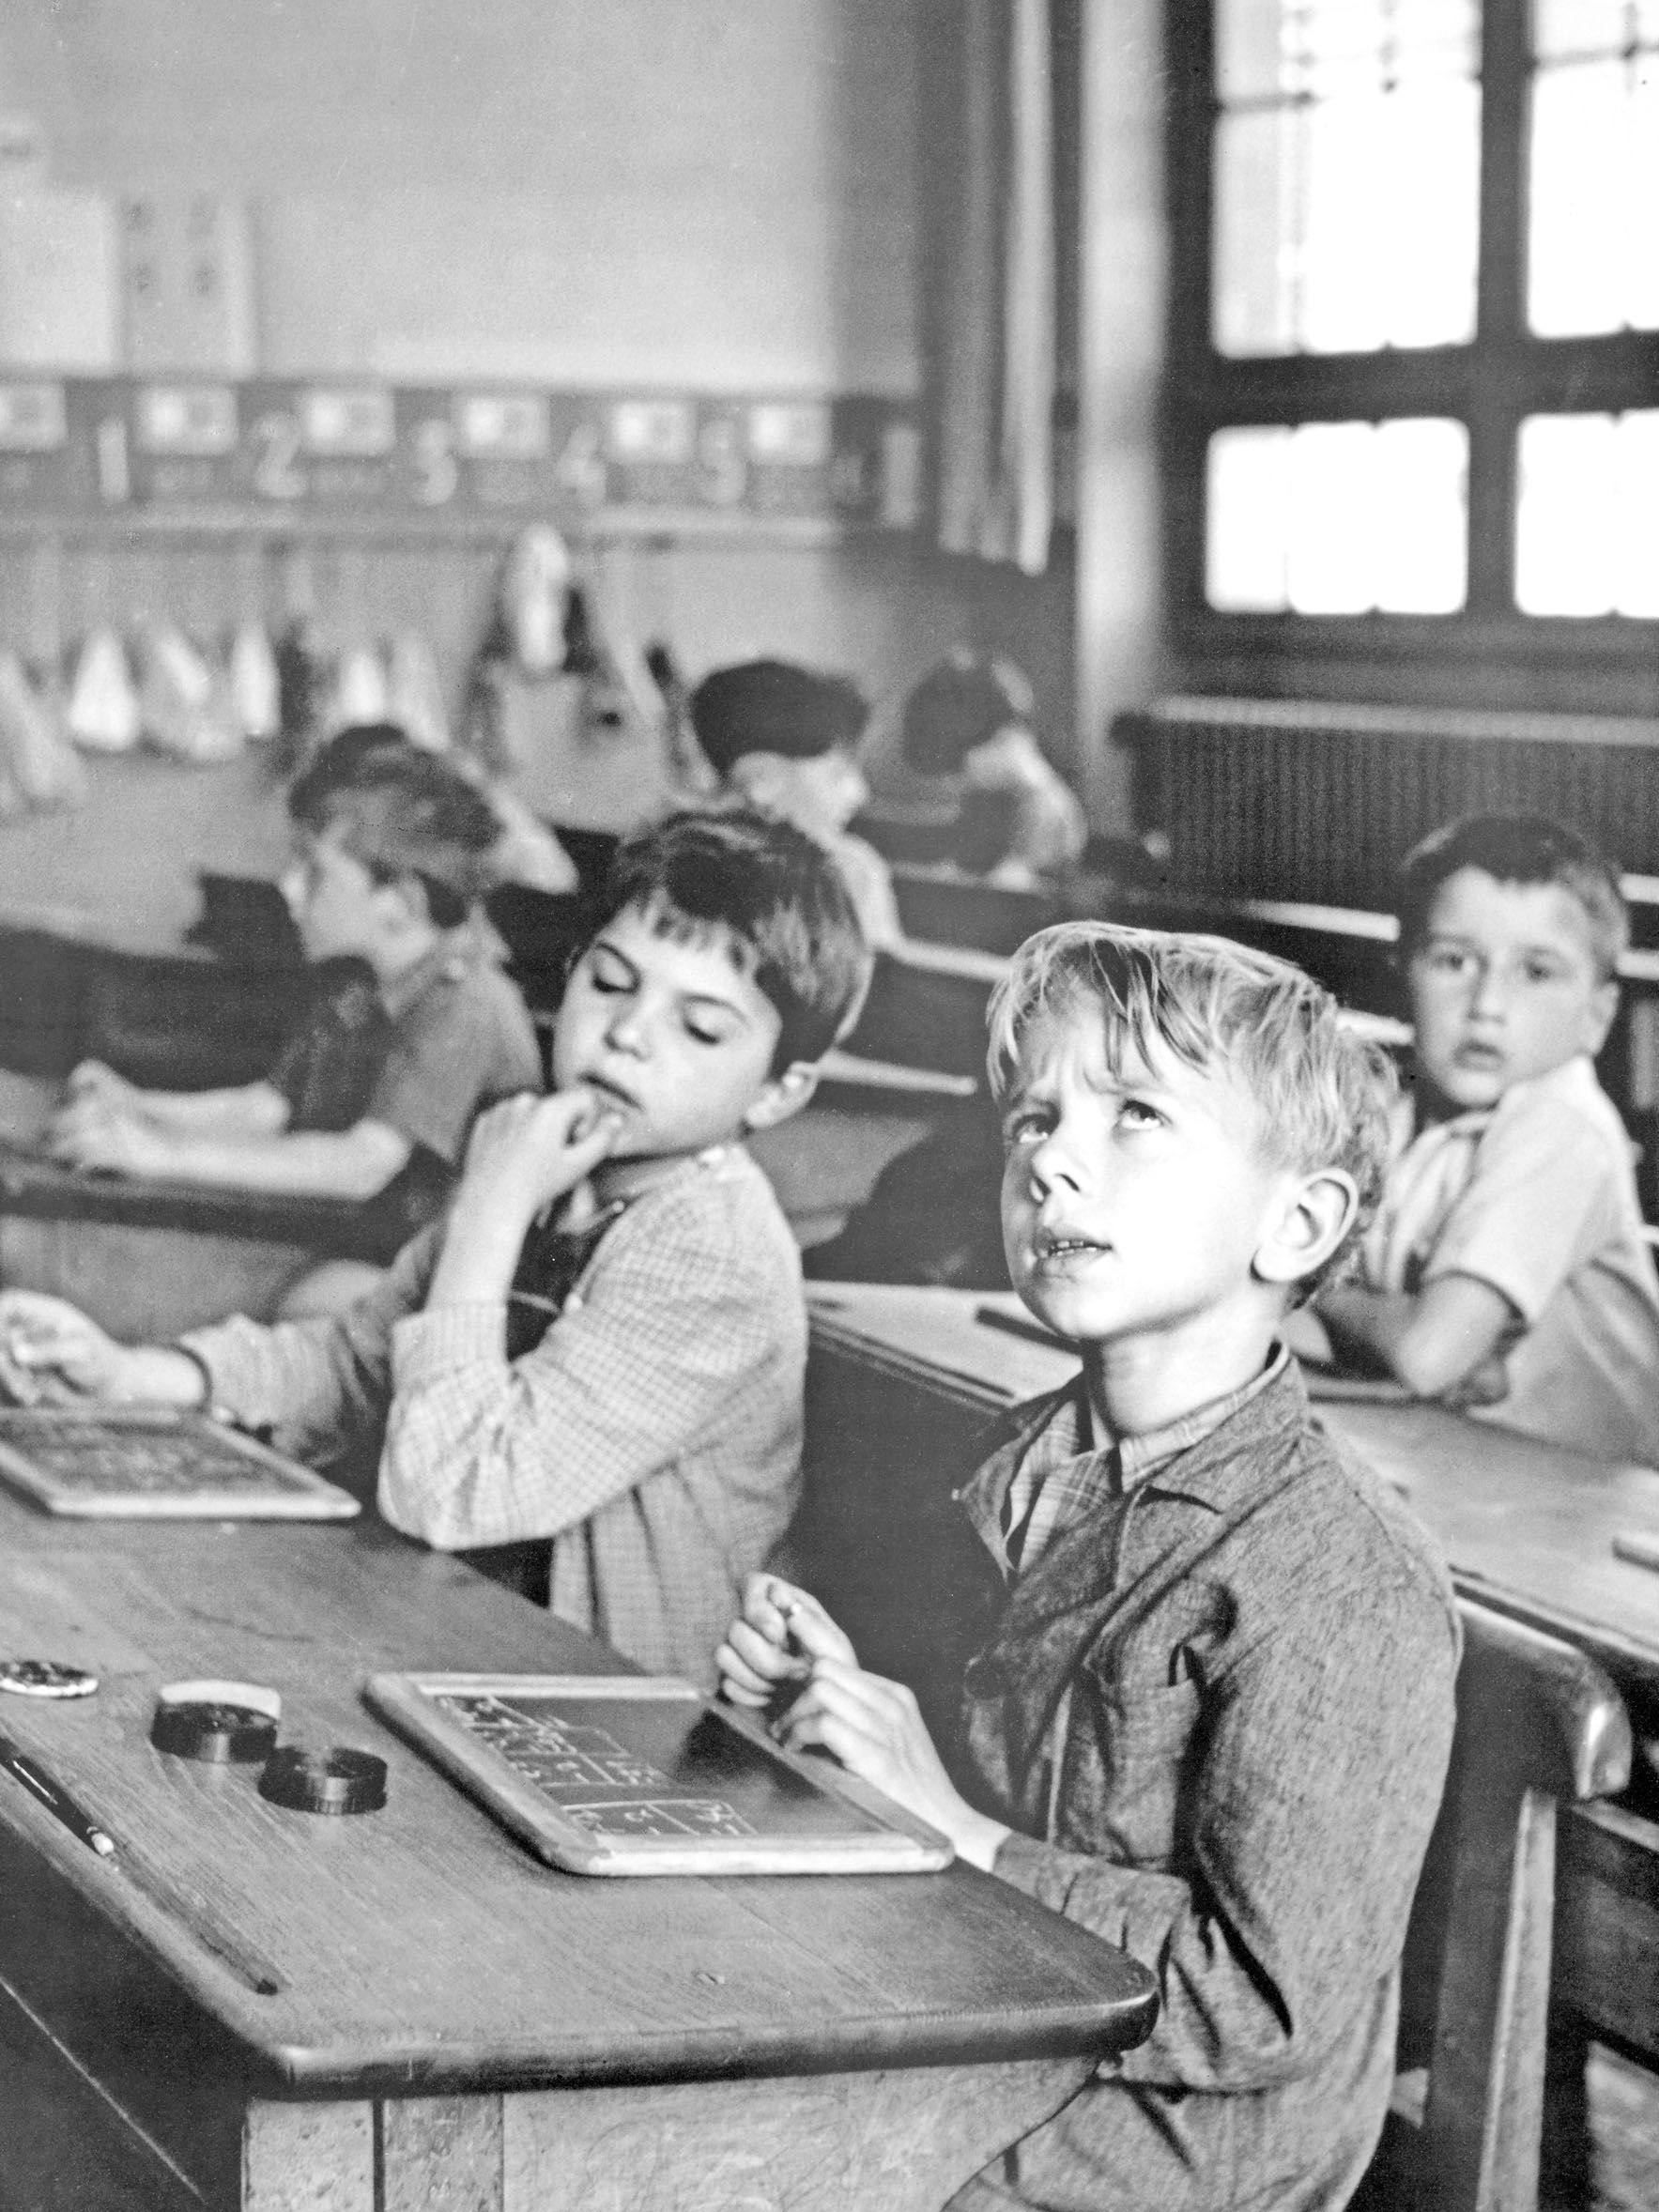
[{"x": 1127, "y": 1774}]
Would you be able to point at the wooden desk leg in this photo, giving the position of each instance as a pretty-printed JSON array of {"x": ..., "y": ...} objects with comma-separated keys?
[
  {"x": 897, "y": 2141},
  {"x": 1485, "y": 2108}
]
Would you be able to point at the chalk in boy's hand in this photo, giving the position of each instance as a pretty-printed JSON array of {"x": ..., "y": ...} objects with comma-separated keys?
[
  {"x": 870, "y": 1725},
  {"x": 775, "y": 1642}
]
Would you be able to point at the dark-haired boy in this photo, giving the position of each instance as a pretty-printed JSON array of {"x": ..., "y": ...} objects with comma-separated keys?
[
  {"x": 379, "y": 1085},
  {"x": 786, "y": 738},
  {"x": 604, "y": 1342},
  {"x": 1211, "y": 1706},
  {"x": 1507, "y": 1271}
]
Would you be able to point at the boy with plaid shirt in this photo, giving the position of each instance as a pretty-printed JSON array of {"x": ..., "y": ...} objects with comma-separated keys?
[{"x": 604, "y": 1342}]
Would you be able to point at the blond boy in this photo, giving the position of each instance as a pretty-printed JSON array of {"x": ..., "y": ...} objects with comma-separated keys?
[{"x": 1211, "y": 1712}]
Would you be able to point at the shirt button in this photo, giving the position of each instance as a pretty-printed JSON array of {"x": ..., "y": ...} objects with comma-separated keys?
[{"x": 984, "y": 1676}]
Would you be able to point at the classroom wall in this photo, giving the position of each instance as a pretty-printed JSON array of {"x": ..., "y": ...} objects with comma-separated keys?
[{"x": 717, "y": 195}]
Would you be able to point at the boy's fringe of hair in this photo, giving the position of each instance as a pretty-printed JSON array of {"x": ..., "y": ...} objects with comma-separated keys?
[
  {"x": 402, "y": 812},
  {"x": 1324, "y": 1091},
  {"x": 1515, "y": 849},
  {"x": 778, "y": 898}
]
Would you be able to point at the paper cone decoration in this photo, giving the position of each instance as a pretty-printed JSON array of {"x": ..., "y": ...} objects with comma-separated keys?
[
  {"x": 414, "y": 692},
  {"x": 182, "y": 711},
  {"x": 44, "y": 769},
  {"x": 360, "y": 693},
  {"x": 532, "y": 600},
  {"x": 256, "y": 693},
  {"x": 103, "y": 703}
]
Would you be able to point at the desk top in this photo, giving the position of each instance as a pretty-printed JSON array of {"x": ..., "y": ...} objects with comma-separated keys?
[
  {"x": 422, "y": 1943},
  {"x": 1527, "y": 1526}
]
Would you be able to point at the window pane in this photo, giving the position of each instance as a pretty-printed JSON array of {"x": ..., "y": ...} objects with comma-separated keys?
[
  {"x": 1247, "y": 504},
  {"x": 1590, "y": 26},
  {"x": 1587, "y": 533},
  {"x": 1337, "y": 518},
  {"x": 1594, "y": 196},
  {"x": 1347, "y": 175}
]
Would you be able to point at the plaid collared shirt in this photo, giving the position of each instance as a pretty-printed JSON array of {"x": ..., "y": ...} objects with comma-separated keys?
[
  {"x": 1063, "y": 1476},
  {"x": 652, "y": 1433}
]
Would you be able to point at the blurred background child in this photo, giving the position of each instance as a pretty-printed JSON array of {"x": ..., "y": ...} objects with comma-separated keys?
[
  {"x": 968, "y": 725},
  {"x": 415, "y": 1030},
  {"x": 786, "y": 738}
]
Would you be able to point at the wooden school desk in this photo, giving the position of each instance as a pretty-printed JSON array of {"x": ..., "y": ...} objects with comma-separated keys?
[{"x": 251, "y": 2007}]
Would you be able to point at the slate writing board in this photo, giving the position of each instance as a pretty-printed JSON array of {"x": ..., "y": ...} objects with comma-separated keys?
[
  {"x": 136, "y": 1462},
  {"x": 643, "y": 1775}
]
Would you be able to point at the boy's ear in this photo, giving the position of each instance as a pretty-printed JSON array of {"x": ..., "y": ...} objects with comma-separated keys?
[
  {"x": 1310, "y": 1224},
  {"x": 786, "y": 1094},
  {"x": 1603, "y": 1005}
]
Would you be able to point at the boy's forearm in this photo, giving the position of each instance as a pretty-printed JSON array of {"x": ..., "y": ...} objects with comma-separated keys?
[
  {"x": 1431, "y": 1341},
  {"x": 478, "y": 1256},
  {"x": 305, "y": 1163},
  {"x": 249, "y": 1110}
]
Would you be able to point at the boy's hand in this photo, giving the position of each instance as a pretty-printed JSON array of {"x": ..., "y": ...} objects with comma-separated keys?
[
  {"x": 528, "y": 1151},
  {"x": 52, "y": 1355},
  {"x": 773, "y": 1643},
  {"x": 93, "y": 1079},
  {"x": 873, "y": 1727},
  {"x": 1484, "y": 1385},
  {"x": 89, "y": 1133}
]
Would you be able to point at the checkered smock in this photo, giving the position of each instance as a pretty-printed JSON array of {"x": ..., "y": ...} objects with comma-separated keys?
[{"x": 654, "y": 1434}]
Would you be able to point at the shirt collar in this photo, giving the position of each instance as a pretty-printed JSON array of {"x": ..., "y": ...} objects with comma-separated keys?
[
  {"x": 1139, "y": 1457},
  {"x": 448, "y": 958}
]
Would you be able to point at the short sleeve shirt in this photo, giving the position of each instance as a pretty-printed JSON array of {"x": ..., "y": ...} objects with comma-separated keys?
[{"x": 1536, "y": 1197}]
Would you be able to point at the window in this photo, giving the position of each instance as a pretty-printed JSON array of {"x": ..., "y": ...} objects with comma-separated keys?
[{"x": 1413, "y": 401}]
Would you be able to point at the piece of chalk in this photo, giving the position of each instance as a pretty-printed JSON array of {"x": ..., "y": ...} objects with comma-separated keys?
[{"x": 1639, "y": 1548}]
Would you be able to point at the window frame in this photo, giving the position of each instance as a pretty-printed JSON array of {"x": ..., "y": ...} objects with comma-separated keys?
[{"x": 1502, "y": 374}]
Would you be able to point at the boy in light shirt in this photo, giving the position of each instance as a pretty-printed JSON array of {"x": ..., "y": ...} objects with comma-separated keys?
[{"x": 1507, "y": 1271}]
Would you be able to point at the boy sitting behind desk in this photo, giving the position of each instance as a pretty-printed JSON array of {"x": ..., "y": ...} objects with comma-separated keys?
[
  {"x": 604, "y": 1340},
  {"x": 1507, "y": 1271},
  {"x": 1212, "y": 1702},
  {"x": 969, "y": 725},
  {"x": 374, "y": 1095},
  {"x": 785, "y": 738}
]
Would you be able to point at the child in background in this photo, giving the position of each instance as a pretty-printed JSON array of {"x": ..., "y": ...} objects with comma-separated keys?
[
  {"x": 1211, "y": 1709},
  {"x": 970, "y": 719},
  {"x": 1507, "y": 1271},
  {"x": 604, "y": 1340},
  {"x": 786, "y": 740},
  {"x": 372, "y": 1098}
]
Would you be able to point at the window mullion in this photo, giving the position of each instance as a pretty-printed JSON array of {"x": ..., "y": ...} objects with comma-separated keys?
[{"x": 1500, "y": 308}]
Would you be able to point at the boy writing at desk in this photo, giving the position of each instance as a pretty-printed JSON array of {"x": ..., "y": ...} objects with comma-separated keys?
[
  {"x": 1507, "y": 1271},
  {"x": 374, "y": 1095},
  {"x": 626, "y": 1380},
  {"x": 1212, "y": 1702}
]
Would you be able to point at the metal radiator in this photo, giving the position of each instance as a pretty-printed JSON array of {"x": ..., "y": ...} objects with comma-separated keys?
[{"x": 1296, "y": 800}]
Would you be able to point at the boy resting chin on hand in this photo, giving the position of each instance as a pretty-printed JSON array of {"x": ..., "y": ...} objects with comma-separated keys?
[
  {"x": 602, "y": 1342},
  {"x": 1212, "y": 1714}
]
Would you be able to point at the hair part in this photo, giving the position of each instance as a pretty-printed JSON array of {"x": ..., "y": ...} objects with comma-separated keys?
[
  {"x": 1522, "y": 849},
  {"x": 1323, "y": 1090},
  {"x": 776, "y": 899},
  {"x": 401, "y": 811}
]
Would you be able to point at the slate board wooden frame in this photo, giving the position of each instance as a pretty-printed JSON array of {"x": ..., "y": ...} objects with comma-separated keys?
[
  {"x": 257, "y": 1484},
  {"x": 879, "y": 1838}
]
